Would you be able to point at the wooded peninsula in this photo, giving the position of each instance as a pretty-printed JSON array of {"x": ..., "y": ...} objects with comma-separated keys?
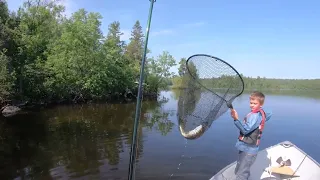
[{"x": 48, "y": 57}]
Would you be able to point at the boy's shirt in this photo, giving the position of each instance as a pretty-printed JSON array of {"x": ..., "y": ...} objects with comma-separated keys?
[{"x": 253, "y": 121}]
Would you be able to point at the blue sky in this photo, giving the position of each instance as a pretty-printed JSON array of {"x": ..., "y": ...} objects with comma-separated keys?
[{"x": 275, "y": 38}]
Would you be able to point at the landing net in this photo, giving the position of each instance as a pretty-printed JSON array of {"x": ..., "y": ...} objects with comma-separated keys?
[{"x": 208, "y": 87}]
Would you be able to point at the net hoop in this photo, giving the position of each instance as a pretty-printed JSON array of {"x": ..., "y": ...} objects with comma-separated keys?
[{"x": 217, "y": 59}]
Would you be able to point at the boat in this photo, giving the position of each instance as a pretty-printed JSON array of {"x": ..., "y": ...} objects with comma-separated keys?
[{"x": 282, "y": 161}]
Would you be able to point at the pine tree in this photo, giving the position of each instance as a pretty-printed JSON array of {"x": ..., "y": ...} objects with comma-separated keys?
[{"x": 135, "y": 47}]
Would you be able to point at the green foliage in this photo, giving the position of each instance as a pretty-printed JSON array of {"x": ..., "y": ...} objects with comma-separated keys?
[
  {"x": 121, "y": 71},
  {"x": 6, "y": 79},
  {"x": 47, "y": 56},
  {"x": 74, "y": 59},
  {"x": 35, "y": 30},
  {"x": 182, "y": 67},
  {"x": 159, "y": 71},
  {"x": 281, "y": 84},
  {"x": 186, "y": 80},
  {"x": 134, "y": 50}
]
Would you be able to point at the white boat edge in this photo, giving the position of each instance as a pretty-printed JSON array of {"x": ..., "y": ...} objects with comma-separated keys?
[{"x": 220, "y": 174}]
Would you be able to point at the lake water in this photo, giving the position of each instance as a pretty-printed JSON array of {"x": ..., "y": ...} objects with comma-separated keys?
[{"x": 93, "y": 141}]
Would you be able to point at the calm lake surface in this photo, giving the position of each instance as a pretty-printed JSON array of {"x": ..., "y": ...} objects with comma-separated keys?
[{"x": 93, "y": 141}]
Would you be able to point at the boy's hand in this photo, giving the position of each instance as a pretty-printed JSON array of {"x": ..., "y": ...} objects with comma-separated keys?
[{"x": 234, "y": 114}]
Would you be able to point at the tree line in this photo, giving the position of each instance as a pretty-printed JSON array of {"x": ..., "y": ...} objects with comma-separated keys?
[
  {"x": 250, "y": 83},
  {"x": 46, "y": 56}
]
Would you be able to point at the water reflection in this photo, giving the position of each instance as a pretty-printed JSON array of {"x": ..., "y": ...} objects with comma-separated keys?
[
  {"x": 93, "y": 141},
  {"x": 75, "y": 141}
]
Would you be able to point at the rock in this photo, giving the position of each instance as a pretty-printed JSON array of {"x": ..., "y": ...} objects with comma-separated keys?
[{"x": 8, "y": 111}]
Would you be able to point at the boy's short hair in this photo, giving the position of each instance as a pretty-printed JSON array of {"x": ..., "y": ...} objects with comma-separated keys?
[{"x": 258, "y": 95}]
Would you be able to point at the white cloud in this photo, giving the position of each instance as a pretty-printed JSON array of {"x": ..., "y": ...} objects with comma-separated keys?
[{"x": 126, "y": 35}]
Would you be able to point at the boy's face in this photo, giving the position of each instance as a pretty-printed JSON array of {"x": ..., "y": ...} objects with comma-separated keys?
[{"x": 254, "y": 103}]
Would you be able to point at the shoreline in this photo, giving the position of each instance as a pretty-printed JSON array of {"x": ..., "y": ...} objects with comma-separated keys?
[
  {"x": 9, "y": 108},
  {"x": 14, "y": 107}
]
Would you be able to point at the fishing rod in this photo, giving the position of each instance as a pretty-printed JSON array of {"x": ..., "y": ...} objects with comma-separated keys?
[{"x": 133, "y": 150}]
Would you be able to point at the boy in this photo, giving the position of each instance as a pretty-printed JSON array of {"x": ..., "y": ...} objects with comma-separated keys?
[{"x": 250, "y": 133}]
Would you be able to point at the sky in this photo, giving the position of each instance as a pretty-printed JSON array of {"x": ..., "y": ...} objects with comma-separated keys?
[{"x": 273, "y": 39}]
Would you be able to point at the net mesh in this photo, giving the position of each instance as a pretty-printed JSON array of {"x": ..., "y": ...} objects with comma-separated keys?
[{"x": 208, "y": 85}]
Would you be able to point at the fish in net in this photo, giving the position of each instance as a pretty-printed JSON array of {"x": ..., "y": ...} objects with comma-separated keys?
[{"x": 209, "y": 85}]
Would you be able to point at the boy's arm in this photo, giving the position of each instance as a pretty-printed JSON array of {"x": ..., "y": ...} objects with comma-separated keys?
[
  {"x": 252, "y": 123},
  {"x": 248, "y": 126}
]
